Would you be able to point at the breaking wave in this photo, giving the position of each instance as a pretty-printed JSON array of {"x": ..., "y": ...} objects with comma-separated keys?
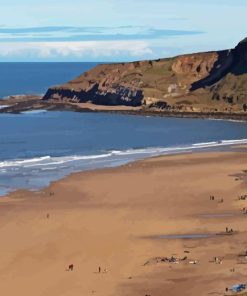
[{"x": 114, "y": 155}]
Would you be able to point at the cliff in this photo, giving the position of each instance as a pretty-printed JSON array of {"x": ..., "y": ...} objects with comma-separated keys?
[{"x": 201, "y": 82}]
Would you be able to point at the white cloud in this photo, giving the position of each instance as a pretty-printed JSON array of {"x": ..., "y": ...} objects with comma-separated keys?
[
  {"x": 63, "y": 34},
  {"x": 47, "y": 50}
]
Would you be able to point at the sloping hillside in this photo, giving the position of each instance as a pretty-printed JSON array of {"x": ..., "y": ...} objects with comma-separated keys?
[{"x": 200, "y": 82}]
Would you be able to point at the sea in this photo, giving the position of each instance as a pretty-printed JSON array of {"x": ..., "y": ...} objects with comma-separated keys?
[
  {"x": 36, "y": 78},
  {"x": 39, "y": 147}
]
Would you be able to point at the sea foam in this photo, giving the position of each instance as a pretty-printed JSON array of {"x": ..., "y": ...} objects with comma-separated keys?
[{"x": 128, "y": 155}]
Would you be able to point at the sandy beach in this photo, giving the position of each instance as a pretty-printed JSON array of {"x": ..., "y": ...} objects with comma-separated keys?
[{"x": 114, "y": 219}]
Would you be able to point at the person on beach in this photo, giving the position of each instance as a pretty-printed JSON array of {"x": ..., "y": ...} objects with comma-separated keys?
[
  {"x": 71, "y": 267},
  {"x": 99, "y": 269}
]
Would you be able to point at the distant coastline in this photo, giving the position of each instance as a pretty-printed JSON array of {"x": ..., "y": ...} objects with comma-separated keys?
[{"x": 208, "y": 85}]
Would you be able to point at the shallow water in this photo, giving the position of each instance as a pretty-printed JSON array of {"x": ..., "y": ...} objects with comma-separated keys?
[
  {"x": 223, "y": 215},
  {"x": 187, "y": 236}
]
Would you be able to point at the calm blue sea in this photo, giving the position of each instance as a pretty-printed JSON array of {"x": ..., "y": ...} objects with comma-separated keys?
[
  {"x": 36, "y": 78},
  {"x": 39, "y": 147}
]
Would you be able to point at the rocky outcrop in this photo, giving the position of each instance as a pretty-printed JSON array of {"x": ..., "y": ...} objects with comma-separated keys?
[
  {"x": 210, "y": 82},
  {"x": 198, "y": 65},
  {"x": 118, "y": 96}
]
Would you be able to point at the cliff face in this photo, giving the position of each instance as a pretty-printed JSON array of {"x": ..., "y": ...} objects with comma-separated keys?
[
  {"x": 117, "y": 96},
  {"x": 196, "y": 82}
]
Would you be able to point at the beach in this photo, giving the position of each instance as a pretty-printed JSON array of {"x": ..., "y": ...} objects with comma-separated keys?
[
  {"x": 123, "y": 148},
  {"x": 109, "y": 224}
]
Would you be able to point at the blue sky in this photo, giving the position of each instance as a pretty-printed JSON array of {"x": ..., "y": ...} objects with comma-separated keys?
[{"x": 117, "y": 30}]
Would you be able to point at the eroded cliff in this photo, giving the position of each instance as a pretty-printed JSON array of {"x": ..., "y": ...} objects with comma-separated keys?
[{"x": 201, "y": 82}]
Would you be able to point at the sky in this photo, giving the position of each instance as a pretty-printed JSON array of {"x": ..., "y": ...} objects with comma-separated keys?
[{"x": 117, "y": 30}]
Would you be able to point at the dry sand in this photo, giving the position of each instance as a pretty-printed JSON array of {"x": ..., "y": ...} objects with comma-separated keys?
[{"x": 112, "y": 218}]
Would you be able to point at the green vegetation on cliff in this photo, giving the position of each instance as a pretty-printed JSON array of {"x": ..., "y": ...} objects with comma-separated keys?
[{"x": 201, "y": 82}]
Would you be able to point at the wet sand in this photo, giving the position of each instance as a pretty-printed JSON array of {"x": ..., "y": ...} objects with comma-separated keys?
[{"x": 117, "y": 219}]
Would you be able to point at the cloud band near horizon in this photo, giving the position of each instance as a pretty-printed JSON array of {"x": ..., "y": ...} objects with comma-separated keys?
[
  {"x": 61, "y": 29},
  {"x": 84, "y": 43},
  {"x": 61, "y": 34}
]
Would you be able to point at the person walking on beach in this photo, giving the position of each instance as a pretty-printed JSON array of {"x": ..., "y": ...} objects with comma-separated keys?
[{"x": 99, "y": 269}]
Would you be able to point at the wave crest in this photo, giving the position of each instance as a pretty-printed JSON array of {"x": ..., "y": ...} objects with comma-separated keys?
[{"x": 125, "y": 155}]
